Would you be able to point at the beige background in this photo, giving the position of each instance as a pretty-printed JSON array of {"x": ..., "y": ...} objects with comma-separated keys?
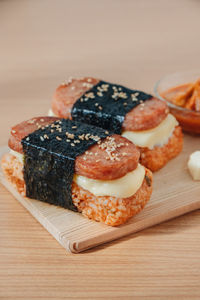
[{"x": 131, "y": 42}]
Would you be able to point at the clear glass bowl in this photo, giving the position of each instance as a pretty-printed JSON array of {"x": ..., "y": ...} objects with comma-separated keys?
[{"x": 188, "y": 119}]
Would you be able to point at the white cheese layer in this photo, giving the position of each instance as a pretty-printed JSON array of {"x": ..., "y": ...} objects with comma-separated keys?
[
  {"x": 19, "y": 156},
  {"x": 51, "y": 113},
  {"x": 194, "y": 165},
  {"x": 123, "y": 187},
  {"x": 157, "y": 136}
]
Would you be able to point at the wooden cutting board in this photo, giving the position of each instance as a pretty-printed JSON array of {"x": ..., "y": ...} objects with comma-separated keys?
[{"x": 174, "y": 194}]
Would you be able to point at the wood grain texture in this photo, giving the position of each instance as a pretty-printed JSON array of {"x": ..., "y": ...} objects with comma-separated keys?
[
  {"x": 174, "y": 194},
  {"x": 130, "y": 42}
]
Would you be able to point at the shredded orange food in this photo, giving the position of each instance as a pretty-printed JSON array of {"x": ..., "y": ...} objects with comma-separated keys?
[{"x": 190, "y": 97}]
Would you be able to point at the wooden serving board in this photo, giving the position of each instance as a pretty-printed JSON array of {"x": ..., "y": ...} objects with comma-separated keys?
[{"x": 174, "y": 194}]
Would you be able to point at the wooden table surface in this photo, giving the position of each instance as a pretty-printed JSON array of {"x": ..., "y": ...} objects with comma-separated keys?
[{"x": 130, "y": 42}]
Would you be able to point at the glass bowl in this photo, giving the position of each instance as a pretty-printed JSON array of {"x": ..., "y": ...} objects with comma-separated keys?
[{"x": 187, "y": 118}]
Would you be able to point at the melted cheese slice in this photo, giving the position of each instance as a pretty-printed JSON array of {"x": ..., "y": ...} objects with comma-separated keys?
[
  {"x": 157, "y": 136},
  {"x": 123, "y": 187}
]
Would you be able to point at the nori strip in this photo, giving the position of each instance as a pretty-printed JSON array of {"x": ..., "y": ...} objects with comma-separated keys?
[
  {"x": 105, "y": 105},
  {"x": 49, "y": 159}
]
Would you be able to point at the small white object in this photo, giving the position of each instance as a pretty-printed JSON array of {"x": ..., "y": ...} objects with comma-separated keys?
[
  {"x": 194, "y": 165},
  {"x": 50, "y": 113}
]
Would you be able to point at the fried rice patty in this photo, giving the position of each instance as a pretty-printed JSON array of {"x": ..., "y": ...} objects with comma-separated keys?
[
  {"x": 107, "y": 209},
  {"x": 154, "y": 159}
]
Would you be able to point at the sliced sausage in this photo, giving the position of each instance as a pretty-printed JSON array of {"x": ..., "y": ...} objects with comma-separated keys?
[
  {"x": 112, "y": 158},
  {"x": 146, "y": 115},
  {"x": 101, "y": 163}
]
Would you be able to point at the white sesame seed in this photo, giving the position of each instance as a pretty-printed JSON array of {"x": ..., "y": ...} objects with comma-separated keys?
[
  {"x": 90, "y": 95},
  {"x": 87, "y": 136},
  {"x": 70, "y": 135},
  {"x": 88, "y": 85},
  {"x": 81, "y": 137}
]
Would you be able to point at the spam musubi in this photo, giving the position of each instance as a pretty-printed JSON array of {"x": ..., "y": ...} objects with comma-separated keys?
[
  {"x": 79, "y": 167},
  {"x": 138, "y": 116}
]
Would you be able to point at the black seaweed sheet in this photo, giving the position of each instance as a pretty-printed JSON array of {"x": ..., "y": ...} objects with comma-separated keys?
[
  {"x": 105, "y": 105},
  {"x": 50, "y": 158}
]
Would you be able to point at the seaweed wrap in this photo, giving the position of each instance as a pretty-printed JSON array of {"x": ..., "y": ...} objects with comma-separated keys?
[
  {"x": 77, "y": 166},
  {"x": 136, "y": 115}
]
